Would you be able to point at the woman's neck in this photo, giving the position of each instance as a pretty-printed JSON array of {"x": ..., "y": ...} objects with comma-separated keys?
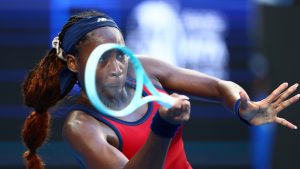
[{"x": 136, "y": 115}]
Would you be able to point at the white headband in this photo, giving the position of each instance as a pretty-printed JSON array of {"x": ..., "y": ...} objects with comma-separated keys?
[{"x": 59, "y": 51}]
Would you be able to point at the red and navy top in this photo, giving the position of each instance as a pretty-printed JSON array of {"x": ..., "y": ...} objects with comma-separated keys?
[{"x": 133, "y": 135}]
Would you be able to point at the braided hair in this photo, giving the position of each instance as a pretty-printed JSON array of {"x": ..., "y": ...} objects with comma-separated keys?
[{"x": 41, "y": 90}]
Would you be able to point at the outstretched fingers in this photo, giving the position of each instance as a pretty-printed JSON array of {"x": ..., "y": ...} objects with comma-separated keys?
[
  {"x": 287, "y": 103},
  {"x": 286, "y": 94},
  {"x": 276, "y": 93},
  {"x": 286, "y": 123}
]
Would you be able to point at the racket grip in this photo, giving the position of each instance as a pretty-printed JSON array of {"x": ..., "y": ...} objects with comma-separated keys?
[
  {"x": 166, "y": 100},
  {"x": 162, "y": 128}
]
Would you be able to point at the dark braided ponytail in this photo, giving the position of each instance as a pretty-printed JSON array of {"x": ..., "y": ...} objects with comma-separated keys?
[{"x": 41, "y": 90}]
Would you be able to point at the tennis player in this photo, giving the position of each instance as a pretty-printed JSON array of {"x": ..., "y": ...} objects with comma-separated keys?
[{"x": 150, "y": 137}]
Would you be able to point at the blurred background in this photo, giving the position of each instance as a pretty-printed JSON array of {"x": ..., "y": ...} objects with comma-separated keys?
[{"x": 253, "y": 43}]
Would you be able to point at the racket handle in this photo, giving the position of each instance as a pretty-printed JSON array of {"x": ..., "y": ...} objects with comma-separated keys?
[{"x": 166, "y": 100}]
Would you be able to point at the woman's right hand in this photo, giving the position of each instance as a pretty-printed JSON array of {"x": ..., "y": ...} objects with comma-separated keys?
[{"x": 179, "y": 113}]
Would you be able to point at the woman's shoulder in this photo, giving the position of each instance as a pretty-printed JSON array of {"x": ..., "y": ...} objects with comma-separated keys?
[
  {"x": 78, "y": 122},
  {"x": 152, "y": 67},
  {"x": 146, "y": 60},
  {"x": 85, "y": 135},
  {"x": 155, "y": 66}
]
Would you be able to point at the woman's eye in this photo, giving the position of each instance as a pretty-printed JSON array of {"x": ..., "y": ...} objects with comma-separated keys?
[
  {"x": 121, "y": 57},
  {"x": 101, "y": 60},
  {"x": 104, "y": 57}
]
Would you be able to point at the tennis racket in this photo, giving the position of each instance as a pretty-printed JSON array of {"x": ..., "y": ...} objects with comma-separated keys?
[{"x": 96, "y": 95}]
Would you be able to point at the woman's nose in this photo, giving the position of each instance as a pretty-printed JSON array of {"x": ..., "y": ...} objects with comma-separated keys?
[{"x": 115, "y": 67}]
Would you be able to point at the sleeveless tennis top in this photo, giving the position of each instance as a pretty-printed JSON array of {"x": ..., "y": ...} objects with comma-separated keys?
[{"x": 133, "y": 135}]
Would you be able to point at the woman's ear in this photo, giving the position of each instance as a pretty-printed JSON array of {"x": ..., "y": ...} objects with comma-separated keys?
[{"x": 72, "y": 63}]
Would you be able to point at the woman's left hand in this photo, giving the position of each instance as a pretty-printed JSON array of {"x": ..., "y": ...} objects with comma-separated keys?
[{"x": 266, "y": 110}]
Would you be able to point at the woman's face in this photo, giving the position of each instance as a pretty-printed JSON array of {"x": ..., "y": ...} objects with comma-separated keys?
[{"x": 112, "y": 66}]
